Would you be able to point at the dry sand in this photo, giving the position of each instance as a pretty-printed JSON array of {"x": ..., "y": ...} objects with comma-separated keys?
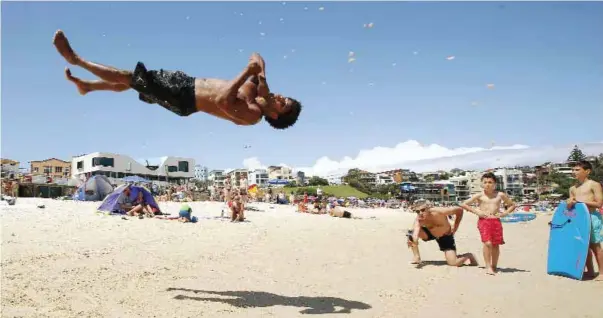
[{"x": 66, "y": 261}]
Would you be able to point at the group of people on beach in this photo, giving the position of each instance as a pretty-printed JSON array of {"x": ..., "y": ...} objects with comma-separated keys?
[
  {"x": 246, "y": 99},
  {"x": 433, "y": 223}
]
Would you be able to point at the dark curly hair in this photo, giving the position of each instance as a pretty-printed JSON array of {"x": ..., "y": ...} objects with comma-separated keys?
[{"x": 287, "y": 119}]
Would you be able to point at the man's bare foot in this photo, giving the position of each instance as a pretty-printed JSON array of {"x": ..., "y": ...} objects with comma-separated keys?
[
  {"x": 490, "y": 271},
  {"x": 472, "y": 260},
  {"x": 62, "y": 44},
  {"x": 81, "y": 86},
  {"x": 599, "y": 278}
]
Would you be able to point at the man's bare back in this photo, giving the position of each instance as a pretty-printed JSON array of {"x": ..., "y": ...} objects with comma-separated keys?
[{"x": 245, "y": 100}]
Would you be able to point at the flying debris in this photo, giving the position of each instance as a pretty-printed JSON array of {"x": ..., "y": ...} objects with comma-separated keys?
[
  {"x": 306, "y": 8},
  {"x": 351, "y": 60},
  {"x": 284, "y": 57},
  {"x": 351, "y": 54},
  {"x": 260, "y": 22},
  {"x": 187, "y": 17},
  {"x": 284, "y": 3},
  {"x": 394, "y": 64},
  {"x": 281, "y": 19},
  {"x": 104, "y": 35},
  {"x": 473, "y": 103},
  {"x": 450, "y": 58},
  {"x": 368, "y": 25},
  {"x": 351, "y": 113},
  {"x": 490, "y": 86},
  {"x": 321, "y": 9},
  {"x": 371, "y": 84},
  {"x": 247, "y": 146},
  {"x": 262, "y": 34},
  {"x": 241, "y": 14},
  {"x": 240, "y": 50},
  {"x": 415, "y": 52},
  {"x": 324, "y": 83},
  {"x": 292, "y": 50}
]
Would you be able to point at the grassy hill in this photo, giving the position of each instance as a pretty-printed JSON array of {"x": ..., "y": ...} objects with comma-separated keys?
[{"x": 338, "y": 191}]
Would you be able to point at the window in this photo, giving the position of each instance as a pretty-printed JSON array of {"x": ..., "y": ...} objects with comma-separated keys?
[
  {"x": 58, "y": 169},
  {"x": 120, "y": 175},
  {"x": 80, "y": 165},
  {"x": 172, "y": 168},
  {"x": 36, "y": 169},
  {"x": 103, "y": 161},
  {"x": 183, "y": 166}
]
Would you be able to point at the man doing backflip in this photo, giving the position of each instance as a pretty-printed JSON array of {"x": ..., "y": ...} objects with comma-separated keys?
[{"x": 245, "y": 100}]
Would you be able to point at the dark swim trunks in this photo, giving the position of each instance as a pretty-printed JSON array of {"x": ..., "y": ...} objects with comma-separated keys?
[
  {"x": 445, "y": 242},
  {"x": 173, "y": 90}
]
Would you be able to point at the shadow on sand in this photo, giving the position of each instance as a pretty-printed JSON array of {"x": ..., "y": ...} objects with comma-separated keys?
[
  {"x": 500, "y": 269},
  {"x": 508, "y": 270},
  {"x": 246, "y": 299}
]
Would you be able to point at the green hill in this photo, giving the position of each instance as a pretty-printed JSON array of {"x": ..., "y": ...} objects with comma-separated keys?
[{"x": 338, "y": 191}]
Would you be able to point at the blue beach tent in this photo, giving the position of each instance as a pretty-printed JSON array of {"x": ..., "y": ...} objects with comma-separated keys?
[{"x": 111, "y": 203}]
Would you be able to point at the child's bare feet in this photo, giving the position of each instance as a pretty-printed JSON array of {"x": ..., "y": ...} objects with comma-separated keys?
[
  {"x": 81, "y": 86},
  {"x": 64, "y": 48}
]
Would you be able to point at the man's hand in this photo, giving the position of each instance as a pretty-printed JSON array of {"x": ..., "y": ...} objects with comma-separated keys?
[
  {"x": 571, "y": 202},
  {"x": 253, "y": 68}
]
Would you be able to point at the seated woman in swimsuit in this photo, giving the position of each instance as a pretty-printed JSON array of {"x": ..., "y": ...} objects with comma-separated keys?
[{"x": 140, "y": 207}]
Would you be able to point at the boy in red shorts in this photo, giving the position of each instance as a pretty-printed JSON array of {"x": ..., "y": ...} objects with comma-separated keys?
[{"x": 489, "y": 225}]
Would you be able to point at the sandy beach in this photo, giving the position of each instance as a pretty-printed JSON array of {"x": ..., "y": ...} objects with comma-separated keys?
[{"x": 67, "y": 261}]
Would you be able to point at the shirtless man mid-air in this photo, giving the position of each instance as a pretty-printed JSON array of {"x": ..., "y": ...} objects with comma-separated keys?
[
  {"x": 432, "y": 224},
  {"x": 245, "y": 100}
]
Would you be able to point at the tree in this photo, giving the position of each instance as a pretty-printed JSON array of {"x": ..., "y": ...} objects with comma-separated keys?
[
  {"x": 576, "y": 154},
  {"x": 597, "y": 172},
  {"x": 292, "y": 184},
  {"x": 563, "y": 183},
  {"x": 318, "y": 181}
]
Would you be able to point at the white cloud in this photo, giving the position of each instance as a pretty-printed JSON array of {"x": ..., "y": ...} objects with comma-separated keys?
[{"x": 413, "y": 155}]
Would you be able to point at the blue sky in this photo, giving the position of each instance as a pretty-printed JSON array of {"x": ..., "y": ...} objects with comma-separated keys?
[{"x": 545, "y": 60}]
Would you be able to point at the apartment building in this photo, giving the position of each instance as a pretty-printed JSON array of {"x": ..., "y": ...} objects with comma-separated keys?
[
  {"x": 9, "y": 169},
  {"x": 280, "y": 173},
  {"x": 259, "y": 177},
  {"x": 117, "y": 166},
  {"x": 216, "y": 178},
  {"x": 52, "y": 167},
  {"x": 201, "y": 173}
]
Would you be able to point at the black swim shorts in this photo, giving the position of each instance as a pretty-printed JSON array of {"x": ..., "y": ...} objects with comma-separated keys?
[
  {"x": 446, "y": 242},
  {"x": 173, "y": 90}
]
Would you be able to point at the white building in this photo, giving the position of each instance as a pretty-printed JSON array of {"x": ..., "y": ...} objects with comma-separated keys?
[
  {"x": 216, "y": 178},
  {"x": 9, "y": 169},
  {"x": 116, "y": 167},
  {"x": 335, "y": 179},
  {"x": 512, "y": 180},
  {"x": 236, "y": 175},
  {"x": 383, "y": 179},
  {"x": 259, "y": 177},
  {"x": 201, "y": 172},
  {"x": 462, "y": 186},
  {"x": 280, "y": 173}
]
